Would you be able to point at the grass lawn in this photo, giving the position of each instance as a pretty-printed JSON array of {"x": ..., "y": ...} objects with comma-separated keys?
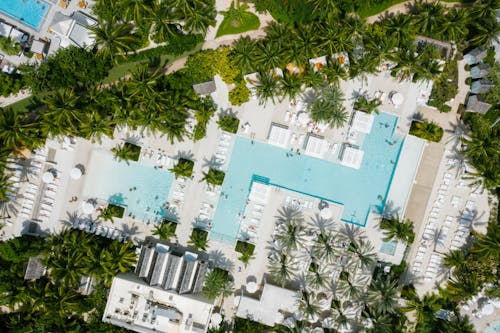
[
  {"x": 249, "y": 22},
  {"x": 123, "y": 69},
  {"x": 378, "y": 8}
]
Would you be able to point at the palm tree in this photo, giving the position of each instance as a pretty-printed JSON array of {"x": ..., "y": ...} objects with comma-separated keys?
[
  {"x": 290, "y": 85},
  {"x": 291, "y": 235},
  {"x": 166, "y": 230},
  {"x": 482, "y": 144},
  {"x": 183, "y": 168},
  {"x": 325, "y": 8},
  {"x": 329, "y": 108},
  {"x": 267, "y": 88},
  {"x": 454, "y": 26},
  {"x": 305, "y": 44},
  {"x": 277, "y": 33},
  {"x": 63, "y": 114},
  {"x": 135, "y": 10},
  {"x": 308, "y": 307},
  {"x": 217, "y": 284},
  {"x": 199, "y": 239},
  {"x": 424, "y": 308},
  {"x": 164, "y": 21},
  {"x": 363, "y": 250},
  {"x": 95, "y": 126},
  {"x": 118, "y": 258},
  {"x": 214, "y": 177},
  {"x": 317, "y": 277},
  {"x": 335, "y": 72},
  {"x": 324, "y": 248},
  {"x": 427, "y": 130},
  {"x": 488, "y": 245},
  {"x": 283, "y": 270},
  {"x": 124, "y": 152},
  {"x": 245, "y": 258},
  {"x": 107, "y": 215},
  {"x": 352, "y": 287},
  {"x": 400, "y": 27},
  {"x": 201, "y": 18},
  {"x": 485, "y": 32},
  {"x": 269, "y": 56},
  {"x": 428, "y": 16},
  {"x": 334, "y": 38},
  {"x": 383, "y": 294},
  {"x": 16, "y": 133},
  {"x": 396, "y": 229},
  {"x": 244, "y": 53},
  {"x": 113, "y": 39}
]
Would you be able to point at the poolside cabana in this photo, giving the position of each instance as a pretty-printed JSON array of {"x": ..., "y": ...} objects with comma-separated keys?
[
  {"x": 279, "y": 135},
  {"x": 259, "y": 193},
  {"x": 39, "y": 47},
  {"x": 315, "y": 146},
  {"x": 18, "y": 35},
  {"x": 362, "y": 122},
  {"x": 5, "y": 29},
  {"x": 352, "y": 157}
]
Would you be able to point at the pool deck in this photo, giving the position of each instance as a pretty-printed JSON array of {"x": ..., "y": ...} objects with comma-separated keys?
[{"x": 260, "y": 117}]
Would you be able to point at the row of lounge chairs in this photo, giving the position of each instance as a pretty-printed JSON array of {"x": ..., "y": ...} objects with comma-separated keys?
[{"x": 101, "y": 230}]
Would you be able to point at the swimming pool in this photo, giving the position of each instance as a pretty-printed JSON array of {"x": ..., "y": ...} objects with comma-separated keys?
[
  {"x": 493, "y": 327},
  {"x": 360, "y": 191},
  {"x": 388, "y": 247},
  {"x": 28, "y": 12},
  {"x": 112, "y": 181}
]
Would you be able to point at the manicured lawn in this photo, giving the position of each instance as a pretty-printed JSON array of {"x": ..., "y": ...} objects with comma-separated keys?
[
  {"x": 378, "y": 8},
  {"x": 249, "y": 22},
  {"x": 121, "y": 70}
]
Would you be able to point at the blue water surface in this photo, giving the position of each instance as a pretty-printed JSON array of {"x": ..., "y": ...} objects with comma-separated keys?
[
  {"x": 360, "y": 191},
  {"x": 28, "y": 12}
]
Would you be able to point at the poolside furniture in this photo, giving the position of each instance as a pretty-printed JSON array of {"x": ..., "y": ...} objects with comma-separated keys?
[{"x": 470, "y": 205}]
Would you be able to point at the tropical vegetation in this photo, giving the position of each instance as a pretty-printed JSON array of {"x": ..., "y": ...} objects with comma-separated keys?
[
  {"x": 52, "y": 302},
  {"x": 183, "y": 168},
  {"x": 214, "y": 176},
  {"x": 237, "y": 20},
  {"x": 427, "y": 130},
  {"x": 246, "y": 250},
  {"x": 199, "y": 239},
  {"x": 398, "y": 230},
  {"x": 127, "y": 152},
  {"x": 228, "y": 123},
  {"x": 217, "y": 283},
  {"x": 165, "y": 230}
]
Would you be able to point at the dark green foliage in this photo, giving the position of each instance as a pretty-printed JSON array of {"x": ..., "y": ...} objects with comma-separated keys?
[
  {"x": 199, "y": 239},
  {"x": 203, "y": 114},
  {"x": 183, "y": 168},
  {"x": 127, "y": 151},
  {"x": 248, "y": 326},
  {"x": 445, "y": 87},
  {"x": 71, "y": 67},
  {"x": 246, "y": 250},
  {"x": 165, "y": 230},
  {"x": 427, "y": 130},
  {"x": 217, "y": 284},
  {"x": 214, "y": 177},
  {"x": 116, "y": 211},
  {"x": 396, "y": 229},
  {"x": 228, "y": 123},
  {"x": 240, "y": 94},
  {"x": 287, "y": 12},
  {"x": 10, "y": 83}
]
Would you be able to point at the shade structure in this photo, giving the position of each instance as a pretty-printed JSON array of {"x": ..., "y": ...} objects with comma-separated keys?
[
  {"x": 303, "y": 118},
  {"x": 48, "y": 177},
  {"x": 488, "y": 309},
  {"x": 352, "y": 157},
  {"x": 279, "y": 135},
  {"x": 216, "y": 319},
  {"x": 87, "y": 207},
  {"x": 252, "y": 287},
  {"x": 75, "y": 173},
  {"x": 397, "y": 98},
  {"x": 326, "y": 213},
  {"x": 362, "y": 122}
]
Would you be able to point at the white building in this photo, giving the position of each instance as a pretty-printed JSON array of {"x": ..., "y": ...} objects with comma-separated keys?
[{"x": 136, "y": 306}]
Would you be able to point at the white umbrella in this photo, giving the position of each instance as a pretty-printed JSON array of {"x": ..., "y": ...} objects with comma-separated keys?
[
  {"x": 48, "y": 177},
  {"x": 252, "y": 287},
  {"x": 75, "y": 173},
  {"x": 326, "y": 213},
  {"x": 216, "y": 319},
  {"x": 87, "y": 207},
  {"x": 397, "y": 98}
]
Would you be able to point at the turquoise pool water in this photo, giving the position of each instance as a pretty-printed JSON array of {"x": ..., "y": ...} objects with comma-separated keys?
[
  {"x": 388, "y": 247},
  {"x": 494, "y": 327},
  {"x": 111, "y": 180},
  {"x": 28, "y": 12},
  {"x": 360, "y": 191}
]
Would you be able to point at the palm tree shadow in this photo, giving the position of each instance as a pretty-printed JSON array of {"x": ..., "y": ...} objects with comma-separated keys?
[
  {"x": 390, "y": 209},
  {"x": 211, "y": 163},
  {"x": 321, "y": 223},
  {"x": 188, "y": 155},
  {"x": 227, "y": 112},
  {"x": 286, "y": 213},
  {"x": 134, "y": 139},
  {"x": 130, "y": 230},
  {"x": 351, "y": 232},
  {"x": 309, "y": 96},
  {"x": 219, "y": 259},
  {"x": 72, "y": 218}
]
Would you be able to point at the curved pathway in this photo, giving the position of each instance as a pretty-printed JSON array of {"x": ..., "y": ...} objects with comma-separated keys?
[{"x": 402, "y": 7}]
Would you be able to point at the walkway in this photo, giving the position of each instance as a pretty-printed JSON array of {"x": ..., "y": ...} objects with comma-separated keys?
[{"x": 403, "y": 8}]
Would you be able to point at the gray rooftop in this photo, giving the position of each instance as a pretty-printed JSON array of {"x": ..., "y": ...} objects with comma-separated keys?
[
  {"x": 35, "y": 269},
  {"x": 475, "y": 56},
  {"x": 204, "y": 88},
  {"x": 481, "y": 86},
  {"x": 479, "y": 71},
  {"x": 477, "y": 104}
]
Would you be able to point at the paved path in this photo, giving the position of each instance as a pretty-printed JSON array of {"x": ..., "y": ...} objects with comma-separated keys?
[{"x": 403, "y": 8}]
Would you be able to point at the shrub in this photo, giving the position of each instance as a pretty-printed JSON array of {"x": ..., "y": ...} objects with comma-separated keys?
[
  {"x": 183, "y": 168},
  {"x": 228, "y": 123},
  {"x": 203, "y": 65},
  {"x": 240, "y": 94},
  {"x": 9, "y": 46},
  {"x": 367, "y": 105},
  {"x": 203, "y": 114},
  {"x": 214, "y": 177},
  {"x": 10, "y": 83},
  {"x": 115, "y": 210},
  {"x": 426, "y": 130},
  {"x": 445, "y": 87}
]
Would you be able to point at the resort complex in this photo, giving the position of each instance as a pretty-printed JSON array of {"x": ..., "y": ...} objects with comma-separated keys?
[{"x": 249, "y": 166}]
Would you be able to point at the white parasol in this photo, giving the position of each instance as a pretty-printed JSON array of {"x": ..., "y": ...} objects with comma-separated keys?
[
  {"x": 487, "y": 309},
  {"x": 252, "y": 287},
  {"x": 326, "y": 213},
  {"x": 216, "y": 319},
  {"x": 397, "y": 98},
  {"x": 75, "y": 173},
  {"x": 87, "y": 207},
  {"x": 48, "y": 177}
]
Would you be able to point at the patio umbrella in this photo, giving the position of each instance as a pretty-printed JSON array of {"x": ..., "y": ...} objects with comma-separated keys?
[
  {"x": 303, "y": 118},
  {"x": 252, "y": 287},
  {"x": 397, "y": 98},
  {"x": 216, "y": 319},
  {"x": 326, "y": 213},
  {"x": 48, "y": 177},
  {"x": 75, "y": 173},
  {"x": 487, "y": 309},
  {"x": 87, "y": 207}
]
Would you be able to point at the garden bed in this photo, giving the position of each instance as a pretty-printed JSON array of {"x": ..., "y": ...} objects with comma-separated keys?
[
  {"x": 229, "y": 26},
  {"x": 228, "y": 123}
]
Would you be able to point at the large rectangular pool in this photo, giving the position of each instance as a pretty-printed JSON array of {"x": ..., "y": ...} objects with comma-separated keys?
[
  {"x": 142, "y": 190},
  {"x": 360, "y": 191},
  {"x": 28, "y": 12}
]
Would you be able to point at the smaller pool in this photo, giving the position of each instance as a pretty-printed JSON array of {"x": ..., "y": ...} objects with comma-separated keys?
[
  {"x": 28, "y": 12},
  {"x": 493, "y": 327},
  {"x": 388, "y": 247}
]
